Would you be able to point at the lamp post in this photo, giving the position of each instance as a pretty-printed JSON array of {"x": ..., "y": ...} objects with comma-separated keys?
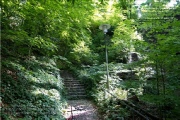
[{"x": 105, "y": 28}]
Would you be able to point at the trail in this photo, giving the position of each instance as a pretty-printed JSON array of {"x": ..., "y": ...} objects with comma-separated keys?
[{"x": 79, "y": 108}]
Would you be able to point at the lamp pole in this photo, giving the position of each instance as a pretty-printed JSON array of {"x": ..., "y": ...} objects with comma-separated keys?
[
  {"x": 105, "y": 28},
  {"x": 107, "y": 68}
]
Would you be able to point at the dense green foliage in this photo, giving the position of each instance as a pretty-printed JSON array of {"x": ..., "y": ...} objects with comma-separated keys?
[
  {"x": 162, "y": 50},
  {"x": 157, "y": 71},
  {"x": 31, "y": 89},
  {"x": 40, "y": 38}
]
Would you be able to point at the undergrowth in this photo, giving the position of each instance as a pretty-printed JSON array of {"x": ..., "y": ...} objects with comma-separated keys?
[
  {"x": 133, "y": 88},
  {"x": 94, "y": 78},
  {"x": 31, "y": 88}
]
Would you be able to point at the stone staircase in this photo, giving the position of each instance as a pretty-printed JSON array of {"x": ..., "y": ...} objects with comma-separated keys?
[{"x": 74, "y": 88}]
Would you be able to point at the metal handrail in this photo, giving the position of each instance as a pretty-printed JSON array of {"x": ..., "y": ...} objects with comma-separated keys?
[
  {"x": 122, "y": 102},
  {"x": 146, "y": 115}
]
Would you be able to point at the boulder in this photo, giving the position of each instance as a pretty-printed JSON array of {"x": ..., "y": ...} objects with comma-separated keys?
[
  {"x": 133, "y": 56},
  {"x": 126, "y": 74}
]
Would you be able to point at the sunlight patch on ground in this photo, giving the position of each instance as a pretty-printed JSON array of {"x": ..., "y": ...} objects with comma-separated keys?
[
  {"x": 52, "y": 93},
  {"x": 80, "y": 110}
]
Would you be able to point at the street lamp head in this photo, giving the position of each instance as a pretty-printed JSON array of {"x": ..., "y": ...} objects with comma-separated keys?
[{"x": 104, "y": 27}]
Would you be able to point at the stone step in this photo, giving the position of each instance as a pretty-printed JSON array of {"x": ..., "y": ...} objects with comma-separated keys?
[
  {"x": 75, "y": 89},
  {"x": 67, "y": 77},
  {"x": 74, "y": 97},
  {"x": 74, "y": 85},
  {"x": 76, "y": 92},
  {"x": 68, "y": 81},
  {"x": 72, "y": 81}
]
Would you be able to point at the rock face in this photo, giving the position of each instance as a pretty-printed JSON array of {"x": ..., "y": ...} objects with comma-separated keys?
[
  {"x": 133, "y": 56},
  {"x": 126, "y": 74}
]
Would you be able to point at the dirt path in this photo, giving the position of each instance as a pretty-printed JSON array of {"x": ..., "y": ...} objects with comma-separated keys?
[{"x": 81, "y": 110}]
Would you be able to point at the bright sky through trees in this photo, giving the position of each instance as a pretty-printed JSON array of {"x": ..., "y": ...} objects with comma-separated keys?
[
  {"x": 138, "y": 2},
  {"x": 170, "y": 4}
]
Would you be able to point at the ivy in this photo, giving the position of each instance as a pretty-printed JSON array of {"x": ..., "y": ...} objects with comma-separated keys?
[{"x": 32, "y": 89}]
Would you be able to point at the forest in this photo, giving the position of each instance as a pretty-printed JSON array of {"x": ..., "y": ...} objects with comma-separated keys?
[{"x": 125, "y": 52}]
